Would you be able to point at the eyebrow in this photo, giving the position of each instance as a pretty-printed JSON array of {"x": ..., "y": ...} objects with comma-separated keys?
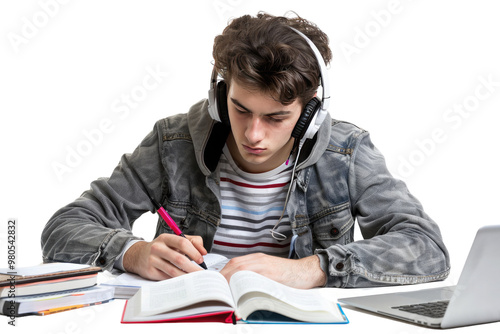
[{"x": 277, "y": 113}]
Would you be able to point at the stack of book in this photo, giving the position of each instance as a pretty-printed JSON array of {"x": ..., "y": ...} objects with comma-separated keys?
[{"x": 50, "y": 288}]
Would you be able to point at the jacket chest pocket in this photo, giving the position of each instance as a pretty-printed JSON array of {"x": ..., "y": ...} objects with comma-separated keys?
[{"x": 332, "y": 227}]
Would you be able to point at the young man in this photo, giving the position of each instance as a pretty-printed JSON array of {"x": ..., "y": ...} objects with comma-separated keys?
[{"x": 261, "y": 174}]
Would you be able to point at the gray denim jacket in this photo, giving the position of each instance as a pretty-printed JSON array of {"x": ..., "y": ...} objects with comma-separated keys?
[{"x": 340, "y": 178}]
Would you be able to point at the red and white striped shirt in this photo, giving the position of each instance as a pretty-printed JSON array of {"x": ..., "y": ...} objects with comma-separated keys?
[{"x": 251, "y": 206}]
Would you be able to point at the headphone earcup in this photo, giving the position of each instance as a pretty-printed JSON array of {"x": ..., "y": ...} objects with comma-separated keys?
[
  {"x": 221, "y": 98},
  {"x": 305, "y": 118}
]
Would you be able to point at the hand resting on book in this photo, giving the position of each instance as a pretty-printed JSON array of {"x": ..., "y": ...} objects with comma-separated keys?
[{"x": 303, "y": 273}]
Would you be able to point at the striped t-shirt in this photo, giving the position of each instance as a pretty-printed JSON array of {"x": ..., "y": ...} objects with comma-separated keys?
[{"x": 251, "y": 205}]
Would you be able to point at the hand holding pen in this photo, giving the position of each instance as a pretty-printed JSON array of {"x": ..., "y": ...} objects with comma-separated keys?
[
  {"x": 158, "y": 258},
  {"x": 171, "y": 223}
]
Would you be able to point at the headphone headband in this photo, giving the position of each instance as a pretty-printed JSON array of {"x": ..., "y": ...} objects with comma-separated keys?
[{"x": 325, "y": 82}]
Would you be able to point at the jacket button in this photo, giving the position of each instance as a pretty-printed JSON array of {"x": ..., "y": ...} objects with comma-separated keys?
[
  {"x": 339, "y": 266},
  {"x": 334, "y": 232},
  {"x": 101, "y": 261}
]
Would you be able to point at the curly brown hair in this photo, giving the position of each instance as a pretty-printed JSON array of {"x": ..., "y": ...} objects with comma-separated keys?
[{"x": 263, "y": 53}]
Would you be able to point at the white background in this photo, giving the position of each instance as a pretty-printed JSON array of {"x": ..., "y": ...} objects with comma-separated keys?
[{"x": 400, "y": 69}]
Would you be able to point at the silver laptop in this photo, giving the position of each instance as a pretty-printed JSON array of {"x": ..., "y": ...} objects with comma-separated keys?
[{"x": 474, "y": 300}]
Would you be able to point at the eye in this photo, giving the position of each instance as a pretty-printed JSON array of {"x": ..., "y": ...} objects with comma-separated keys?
[
  {"x": 275, "y": 119},
  {"x": 241, "y": 111}
]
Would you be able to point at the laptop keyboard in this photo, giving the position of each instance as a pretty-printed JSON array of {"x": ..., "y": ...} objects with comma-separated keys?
[{"x": 433, "y": 310}]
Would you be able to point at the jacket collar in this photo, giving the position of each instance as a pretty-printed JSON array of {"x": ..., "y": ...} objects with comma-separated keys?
[{"x": 314, "y": 148}]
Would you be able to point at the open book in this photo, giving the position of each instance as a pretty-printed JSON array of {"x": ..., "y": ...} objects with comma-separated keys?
[{"x": 205, "y": 296}]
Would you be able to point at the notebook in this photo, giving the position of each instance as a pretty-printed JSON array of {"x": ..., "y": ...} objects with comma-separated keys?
[{"x": 474, "y": 300}]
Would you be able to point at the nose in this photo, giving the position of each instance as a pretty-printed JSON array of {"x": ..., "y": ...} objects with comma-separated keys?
[{"x": 255, "y": 130}]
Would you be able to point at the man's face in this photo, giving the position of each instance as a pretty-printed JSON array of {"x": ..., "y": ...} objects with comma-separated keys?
[{"x": 261, "y": 128}]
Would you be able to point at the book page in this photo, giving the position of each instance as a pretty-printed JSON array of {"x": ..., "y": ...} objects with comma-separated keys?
[
  {"x": 215, "y": 261},
  {"x": 183, "y": 291},
  {"x": 252, "y": 284},
  {"x": 128, "y": 280}
]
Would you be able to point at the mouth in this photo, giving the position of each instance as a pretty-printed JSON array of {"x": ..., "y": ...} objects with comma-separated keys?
[{"x": 253, "y": 150}]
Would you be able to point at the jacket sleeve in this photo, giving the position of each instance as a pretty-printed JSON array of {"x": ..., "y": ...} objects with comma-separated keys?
[
  {"x": 96, "y": 227},
  {"x": 402, "y": 244}
]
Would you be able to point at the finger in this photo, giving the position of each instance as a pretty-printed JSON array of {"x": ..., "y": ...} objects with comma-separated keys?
[
  {"x": 158, "y": 275},
  {"x": 197, "y": 241},
  {"x": 232, "y": 266},
  {"x": 185, "y": 246},
  {"x": 256, "y": 262},
  {"x": 174, "y": 249},
  {"x": 166, "y": 269}
]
